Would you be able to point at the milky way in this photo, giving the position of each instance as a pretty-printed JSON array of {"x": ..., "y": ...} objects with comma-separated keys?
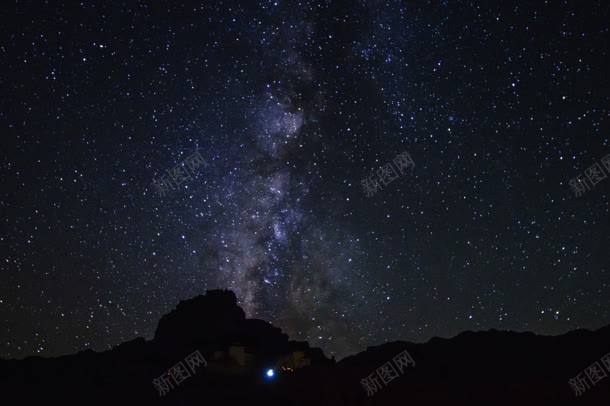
[{"x": 277, "y": 257}]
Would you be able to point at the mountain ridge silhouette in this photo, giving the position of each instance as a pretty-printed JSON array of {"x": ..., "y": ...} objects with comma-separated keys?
[{"x": 471, "y": 368}]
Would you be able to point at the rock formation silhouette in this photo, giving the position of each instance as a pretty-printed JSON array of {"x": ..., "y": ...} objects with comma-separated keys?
[{"x": 249, "y": 361}]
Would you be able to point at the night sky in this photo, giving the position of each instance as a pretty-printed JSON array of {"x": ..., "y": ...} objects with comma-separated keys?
[{"x": 292, "y": 105}]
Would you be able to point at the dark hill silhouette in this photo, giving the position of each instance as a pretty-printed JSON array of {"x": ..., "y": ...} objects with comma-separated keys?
[{"x": 482, "y": 368}]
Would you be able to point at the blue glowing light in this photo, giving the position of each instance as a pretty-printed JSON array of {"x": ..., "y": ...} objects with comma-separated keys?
[{"x": 270, "y": 373}]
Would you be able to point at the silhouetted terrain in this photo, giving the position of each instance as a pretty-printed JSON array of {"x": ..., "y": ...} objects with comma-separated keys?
[{"x": 485, "y": 368}]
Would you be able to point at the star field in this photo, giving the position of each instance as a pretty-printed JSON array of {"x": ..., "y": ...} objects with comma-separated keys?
[{"x": 292, "y": 105}]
